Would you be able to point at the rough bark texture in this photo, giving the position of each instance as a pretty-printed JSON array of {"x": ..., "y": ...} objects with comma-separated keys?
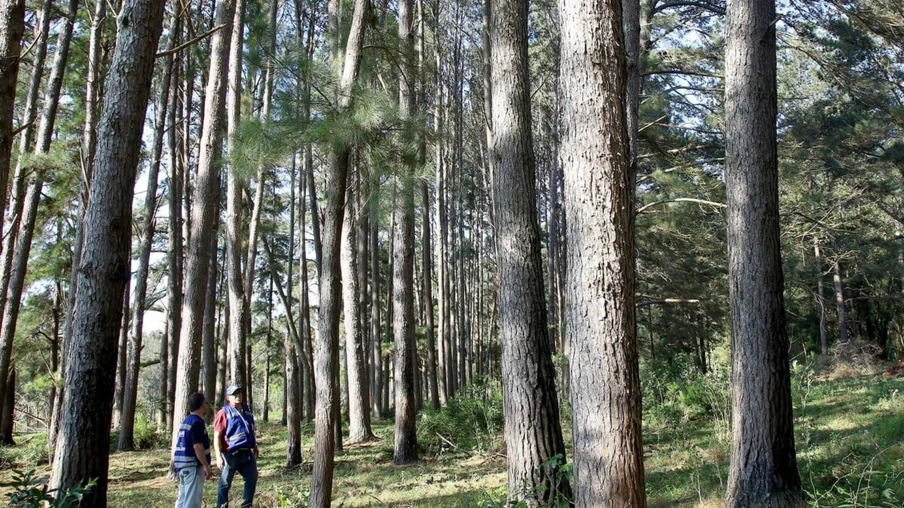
[
  {"x": 405, "y": 449},
  {"x": 376, "y": 335},
  {"x": 533, "y": 433},
  {"x": 326, "y": 348},
  {"x": 293, "y": 405},
  {"x": 763, "y": 471},
  {"x": 12, "y": 26},
  {"x": 84, "y": 437},
  {"x": 238, "y": 306},
  {"x": 9, "y": 410},
  {"x": 205, "y": 206},
  {"x": 356, "y": 368},
  {"x": 130, "y": 386},
  {"x": 605, "y": 384}
]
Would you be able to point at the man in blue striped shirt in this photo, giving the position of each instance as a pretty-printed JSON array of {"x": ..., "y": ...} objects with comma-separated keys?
[{"x": 191, "y": 456}]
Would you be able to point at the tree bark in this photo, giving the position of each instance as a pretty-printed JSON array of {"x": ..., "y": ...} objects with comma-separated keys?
[
  {"x": 326, "y": 348},
  {"x": 130, "y": 391},
  {"x": 376, "y": 335},
  {"x": 605, "y": 384},
  {"x": 533, "y": 432},
  {"x": 405, "y": 449},
  {"x": 293, "y": 405},
  {"x": 238, "y": 303},
  {"x": 204, "y": 210},
  {"x": 763, "y": 470},
  {"x": 84, "y": 438},
  {"x": 9, "y": 410},
  {"x": 356, "y": 368},
  {"x": 12, "y": 26}
]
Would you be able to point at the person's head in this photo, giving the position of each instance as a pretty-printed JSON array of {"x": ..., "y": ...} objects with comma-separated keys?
[
  {"x": 197, "y": 403},
  {"x": 235, "y": 395}
]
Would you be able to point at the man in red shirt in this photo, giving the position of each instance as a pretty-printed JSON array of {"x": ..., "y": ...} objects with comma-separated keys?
[{"x": 235, "y": 446}]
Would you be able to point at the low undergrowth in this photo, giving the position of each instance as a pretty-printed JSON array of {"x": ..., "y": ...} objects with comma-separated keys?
[{"x": 849, "y": 435}]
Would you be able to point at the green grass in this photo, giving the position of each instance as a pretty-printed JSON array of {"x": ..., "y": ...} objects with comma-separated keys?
[{"x": 849, "y": 441}]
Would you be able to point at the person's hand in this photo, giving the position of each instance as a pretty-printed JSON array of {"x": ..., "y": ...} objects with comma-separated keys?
[
  {"x": 257, "y": 452},
  {"x": 220, "y": 462},
  {"x": 207, "y": 474}
]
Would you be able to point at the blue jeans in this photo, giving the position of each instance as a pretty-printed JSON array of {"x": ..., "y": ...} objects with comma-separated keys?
[
  {"x": 245, "y": 464},
  {"x": 191, "y": 487}
]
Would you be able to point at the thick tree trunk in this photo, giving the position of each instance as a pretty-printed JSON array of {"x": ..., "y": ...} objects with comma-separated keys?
[
  {"x": 12, "y": 26},
  {"x": 203, "y": 212},
  {"x": 405, "y": 449},
  {"x": 533, "y": 432},
  {"x": 130, "y": 391},
  {"x": 84, "y": 438},
  {"x": 763, "y": 470},
  {"x": 327, "y": 345},
  {"x": 605, "y": 382}
]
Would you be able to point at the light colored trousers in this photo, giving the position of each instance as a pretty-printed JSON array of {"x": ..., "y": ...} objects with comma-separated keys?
[{"x": 191, "y": 487}]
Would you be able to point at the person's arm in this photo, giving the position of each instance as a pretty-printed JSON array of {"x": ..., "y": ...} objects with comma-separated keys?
[
  {"x": 202, "y": 458},
  {"x": 219, "y": 438}
]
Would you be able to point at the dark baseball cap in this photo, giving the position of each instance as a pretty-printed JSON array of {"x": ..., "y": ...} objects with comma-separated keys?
[{"x": 234, "y": 389}]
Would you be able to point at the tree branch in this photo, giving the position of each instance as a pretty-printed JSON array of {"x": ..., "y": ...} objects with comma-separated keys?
[
  {"x": 680, "y": 200},
  {"x": 190, "y": 43}
]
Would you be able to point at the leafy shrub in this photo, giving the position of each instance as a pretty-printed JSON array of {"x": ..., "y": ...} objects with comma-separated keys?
[
  {"x": 30, "y": 491},
  {"x": 472, "y": 421}
]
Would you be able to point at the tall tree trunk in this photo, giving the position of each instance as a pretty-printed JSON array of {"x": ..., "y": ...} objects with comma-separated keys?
[
  {"x": 122, "y": 351},
  {"x": 12, "y": 26},
  {"x": 533, "y": 432},
  {"x": 442, "y": 333},
  {"x": 177, "y": 169},
  {"x": 84, "y": 437},
  {"x": 405, "y": 450},
  {"x": 238, "y": 303},
  {"x": 130, "y": 392},
  {"x": 307, "y": 350},
  {"x": 327, "y": 346},
  {"x": 356, "y": 368},
  {"x": 42, "y": 30},
  {"x": 29, "y": 117},
  {"x": 17, "y": 246},
  {"x": 209, "y": 333},
  {"x": 605, "y": 382},
  {"x": 426, "y": 241},
  {"x": 763, "y": 470},
  {"x": 376, "y": 335},
  {"x": 204, "y": 209}
]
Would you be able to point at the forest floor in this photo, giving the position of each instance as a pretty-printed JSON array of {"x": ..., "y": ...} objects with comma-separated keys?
[{"x": 849, "y": 438}]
